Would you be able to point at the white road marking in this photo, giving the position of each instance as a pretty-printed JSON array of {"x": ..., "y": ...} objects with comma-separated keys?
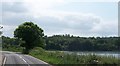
[
  {"x": 4, "y": 61},
  {"x": 23, "y": 59},
  {"x": 38, "y": 59}
]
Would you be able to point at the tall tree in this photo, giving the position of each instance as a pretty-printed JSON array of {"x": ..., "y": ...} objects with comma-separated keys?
[{"x": 31, "y": 34}]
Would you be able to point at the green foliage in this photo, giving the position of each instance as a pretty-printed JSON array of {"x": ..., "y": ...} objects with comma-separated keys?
[
  {"x": 11, "y": 44},
  {"x": 31, "y": 34},
  {"x": 7, "y": 41},
  {"x": 59, "y": 57},
  {"x": 70, "y": 43},
  {"x": 73, "y": 43},
  {"x": 13, "y": 48}
]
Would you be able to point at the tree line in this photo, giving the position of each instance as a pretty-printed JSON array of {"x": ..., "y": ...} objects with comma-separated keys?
[{"x": 71, "y": 43}]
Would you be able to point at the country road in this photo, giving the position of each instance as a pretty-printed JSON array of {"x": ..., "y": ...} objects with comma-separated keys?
[{"x": 18, "y": 59}]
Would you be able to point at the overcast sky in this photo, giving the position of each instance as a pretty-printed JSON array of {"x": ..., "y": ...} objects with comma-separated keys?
[{"x": 90, "y": 18}]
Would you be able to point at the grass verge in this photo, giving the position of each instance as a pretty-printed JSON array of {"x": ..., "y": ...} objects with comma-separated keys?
[{"x": 58, "y": 57}]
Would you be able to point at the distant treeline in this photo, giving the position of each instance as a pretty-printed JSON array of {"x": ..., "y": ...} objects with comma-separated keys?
[{"x": 71, "y": 43}]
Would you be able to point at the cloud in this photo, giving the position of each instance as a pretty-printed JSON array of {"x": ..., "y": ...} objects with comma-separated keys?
[
  {"x": 106, "y": 28},
  {"x": 8, "y": 30},
  {"x": 62, "y": 0},
  {"x": 15, "y": 7},
  {"x": 78, "y": 24},
  {"x": 54, "y": 21},
  {"x": 13, "y": 13},
  {"x": 13, "y": 19}
]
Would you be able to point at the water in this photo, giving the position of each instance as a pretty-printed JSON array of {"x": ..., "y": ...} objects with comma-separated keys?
[{"x": 105, "y": 53}]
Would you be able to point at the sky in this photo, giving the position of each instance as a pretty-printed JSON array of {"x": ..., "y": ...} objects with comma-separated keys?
[{"x": 57, "y": 17}]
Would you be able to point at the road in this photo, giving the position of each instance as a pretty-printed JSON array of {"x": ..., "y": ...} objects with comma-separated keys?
[
  {"x": 18, "y": 59},
  {"x": 1, "y": 58}
]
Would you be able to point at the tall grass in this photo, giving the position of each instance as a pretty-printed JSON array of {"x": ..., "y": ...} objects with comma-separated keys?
[{"x": 58, "y": 57}]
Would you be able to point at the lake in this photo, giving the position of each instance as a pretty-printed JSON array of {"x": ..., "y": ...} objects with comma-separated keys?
[{"x": 103, "y": 53}]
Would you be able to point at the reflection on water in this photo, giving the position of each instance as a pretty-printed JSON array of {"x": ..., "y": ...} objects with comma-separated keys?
[{"x": 111, "y": 54}]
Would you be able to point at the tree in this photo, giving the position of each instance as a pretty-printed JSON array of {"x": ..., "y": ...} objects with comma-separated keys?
[
  {"x": 31, "y": 34},
  {"x": 117, "y": 43}
]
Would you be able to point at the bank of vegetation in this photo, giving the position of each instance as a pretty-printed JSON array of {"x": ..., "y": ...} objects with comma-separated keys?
[
  {"x": 75, "y": 43},
  {"x": 70, "y": 43},
  {"x": 58, "y": 57}
]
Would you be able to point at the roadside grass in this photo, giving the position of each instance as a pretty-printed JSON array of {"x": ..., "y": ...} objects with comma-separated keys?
[
  {"x": 58, "y": 57},
  {"x": 13, "y": 49}
]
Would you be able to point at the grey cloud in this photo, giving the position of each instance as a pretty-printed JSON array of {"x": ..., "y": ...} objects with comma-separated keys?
[
  {"x": 79, "y": 26},
  {"x": 53, "y": 25},
  {"x": 81, "y": 23},
  {"x": 107, "y": 30},
  {"x": 13, "y": 13},
  {"x": 16, "y": 7},
  {"x": 16, "y": 19}
]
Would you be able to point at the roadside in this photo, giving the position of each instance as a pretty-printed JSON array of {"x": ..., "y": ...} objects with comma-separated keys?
[
  {"x": 18, "y": 58},
  {"x": 1, "y": 58},
  {"x": 55, "y": 58}
]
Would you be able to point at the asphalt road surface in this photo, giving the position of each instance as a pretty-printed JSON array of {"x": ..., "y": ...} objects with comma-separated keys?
[
  {"x": 1, "y": 58},
  {"x": 18, "y": 59}
]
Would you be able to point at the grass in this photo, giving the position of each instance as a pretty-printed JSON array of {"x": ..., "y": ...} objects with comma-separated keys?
[
  {"x": 13, "y": 49},
  {"x": 58, "y": 57}
]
